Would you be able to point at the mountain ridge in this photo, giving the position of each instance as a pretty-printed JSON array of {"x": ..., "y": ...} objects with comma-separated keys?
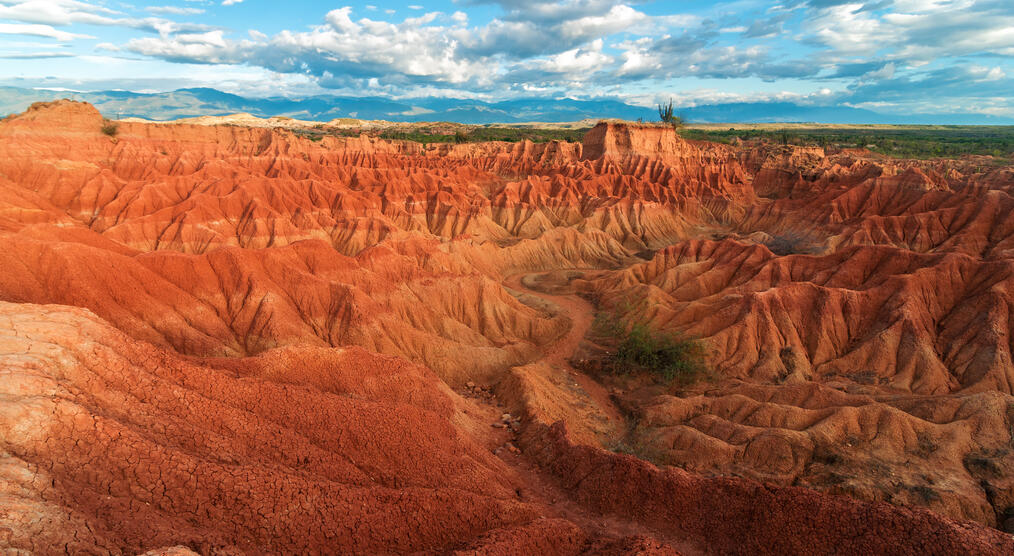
[{"x": 194, "y": 102}]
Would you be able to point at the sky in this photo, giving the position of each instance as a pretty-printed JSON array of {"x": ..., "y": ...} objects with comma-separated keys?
[{"x": 892, "y": 56}]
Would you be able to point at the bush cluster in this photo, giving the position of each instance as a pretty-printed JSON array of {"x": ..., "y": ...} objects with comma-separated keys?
[
  {"x": 667, "y": 355},
  {"x": 110, "y": 128}
]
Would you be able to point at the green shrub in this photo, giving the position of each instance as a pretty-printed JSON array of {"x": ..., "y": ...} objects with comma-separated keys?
[
  {"x": 110, "y": 128},
  {"x": 668, "y": 355}
]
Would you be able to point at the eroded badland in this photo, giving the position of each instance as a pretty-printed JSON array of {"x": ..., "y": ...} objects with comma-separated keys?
[{"x": 239, "y": 340}]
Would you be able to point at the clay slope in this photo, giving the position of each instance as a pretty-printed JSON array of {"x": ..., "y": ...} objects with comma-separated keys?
[
  {"x": 239, "y": 340},
  {"x": 875, "y": 360},
  {"x": 114, "y": 446}
]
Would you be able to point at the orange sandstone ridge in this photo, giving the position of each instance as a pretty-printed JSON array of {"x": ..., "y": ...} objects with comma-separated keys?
[{"x": 226, "y": 339}]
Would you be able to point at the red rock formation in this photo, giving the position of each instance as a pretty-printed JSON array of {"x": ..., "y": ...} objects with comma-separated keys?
[{"x": 257, "y": 335}]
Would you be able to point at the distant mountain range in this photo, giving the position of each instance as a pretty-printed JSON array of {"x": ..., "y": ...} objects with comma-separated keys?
[{"x": 185, "y": 103}]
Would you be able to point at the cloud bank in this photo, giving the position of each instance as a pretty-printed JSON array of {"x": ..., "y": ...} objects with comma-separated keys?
[{"x": 907, "y": 55}]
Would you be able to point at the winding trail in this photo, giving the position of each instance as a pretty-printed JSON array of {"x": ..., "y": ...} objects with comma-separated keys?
[
  {"x": 581, "y": 314},
  {"x": 541, "y": 486}
]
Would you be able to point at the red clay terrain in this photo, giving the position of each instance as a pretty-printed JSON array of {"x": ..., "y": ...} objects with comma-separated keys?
[{"x": 237, "y": 340}]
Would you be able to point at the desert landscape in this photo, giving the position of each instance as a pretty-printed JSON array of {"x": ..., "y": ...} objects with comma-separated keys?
[{"x": 231, "y": 337}]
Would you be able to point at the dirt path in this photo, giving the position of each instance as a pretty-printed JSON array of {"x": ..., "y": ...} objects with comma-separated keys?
[
  {"x": 581, "y": 314},
  {"x": 540, "y": 487}
]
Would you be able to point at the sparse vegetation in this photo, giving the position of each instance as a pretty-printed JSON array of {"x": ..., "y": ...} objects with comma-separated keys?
[
  {"x": 110, "y": 127},
  {"x": 439, "y": 134},
  {"x": 666, "y": 113},
  {"x": 824, "y": 455},
  {"x": 925, "y": 493},
  {"x": 640, "y": 449},
  {"x": 982, "y": 464},
  {"x": 667, "y": 355},
  {"x": 925, "y": 445},
  {"x": 895, "y": 141},
  {"x": 789, "y": 243}
]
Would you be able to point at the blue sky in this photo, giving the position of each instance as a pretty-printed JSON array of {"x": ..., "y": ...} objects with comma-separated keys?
[{"x": 901, "y": 56}]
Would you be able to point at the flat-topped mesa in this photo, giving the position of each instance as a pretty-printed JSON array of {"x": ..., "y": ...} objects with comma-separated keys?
[
  {"x": 621, "y": 139},
  {"x": 65, "y": 115},
  {"x": 658, "y": 154}
]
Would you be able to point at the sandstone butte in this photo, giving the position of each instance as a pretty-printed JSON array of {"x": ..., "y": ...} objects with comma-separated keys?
[{"x": 236, "y": 340}]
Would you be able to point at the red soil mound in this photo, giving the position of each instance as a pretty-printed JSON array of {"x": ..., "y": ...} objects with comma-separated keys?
[{"x": 208, "y": 384}]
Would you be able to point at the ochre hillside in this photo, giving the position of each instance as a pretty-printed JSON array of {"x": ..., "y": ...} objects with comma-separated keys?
[{"x": 239, "y": 340}]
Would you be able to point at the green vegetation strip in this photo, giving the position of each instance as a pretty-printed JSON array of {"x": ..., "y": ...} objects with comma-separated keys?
[
  {"x": 895, "y": 141},
  {"x": 901, "y": 142}
]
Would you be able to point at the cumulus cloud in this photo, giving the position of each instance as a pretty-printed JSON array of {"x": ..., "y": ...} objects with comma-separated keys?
[
  {"x": 554, "y": 43},
  {"x": 914, "y": 30},
  {"x": 61, "y": 13},
  {"x": 56, "y": 12},
  {"x": 338, "y": 52},
  {"x": 855, "y": 49}
]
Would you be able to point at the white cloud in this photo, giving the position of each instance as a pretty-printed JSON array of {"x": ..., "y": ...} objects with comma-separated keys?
[
  {"x": 914, "y": 30},
  {"x": 34, "y": 55},
  {"x": 578, "y": 60},
  {"x": 174, "y": 10},
  {"x": 39, "y": 30},
  {"x": 849, "y": 31},
  {"x": 340, "y": 50},
  {"x": 69, "y": 12},
  {"x": 576, "y": 46},
  {"x": 414, "y": 111},
  {"x": 885, "y": 72},
  {"x": 56, "y": 12}
]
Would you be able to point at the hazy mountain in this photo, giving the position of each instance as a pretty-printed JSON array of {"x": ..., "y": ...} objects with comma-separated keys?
[{"x": 184, "y": 103}]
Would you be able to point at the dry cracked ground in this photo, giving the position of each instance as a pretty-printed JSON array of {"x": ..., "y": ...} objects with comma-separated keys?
[{"x": 235, "y": 340}]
